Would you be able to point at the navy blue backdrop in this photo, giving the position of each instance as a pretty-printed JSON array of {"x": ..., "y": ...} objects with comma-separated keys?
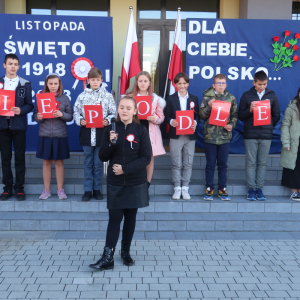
[
  {"x": 239, "y": 48},
  {"x": 46, "y": 44}
]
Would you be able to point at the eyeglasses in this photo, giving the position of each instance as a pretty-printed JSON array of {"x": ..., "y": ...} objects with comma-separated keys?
[{"x": 220, "y": 83}]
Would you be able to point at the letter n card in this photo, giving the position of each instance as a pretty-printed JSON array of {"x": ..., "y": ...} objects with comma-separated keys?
[
  {"x": 185, "y": 119},
  {"x": 144, "y": 105},
  {"x": 262, "y": 113},
  {"x": 93, "y": 116},
  {"x": 46, "y": 104},
  {"x": 219, "y": 113},
  {"x": 7, "y": 101}
]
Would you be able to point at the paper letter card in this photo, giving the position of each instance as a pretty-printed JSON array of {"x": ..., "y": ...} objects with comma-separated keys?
[
  {"x": 144, "y": 105},
  {"x": 219, "y": 113},
  {"x": 7, "y": 101},
  {"x": 185, "y": 119},
  {"x": 262, "y": 113},
  {"x": 93, "y": 116},
  {"x": 46, "y": 104}
]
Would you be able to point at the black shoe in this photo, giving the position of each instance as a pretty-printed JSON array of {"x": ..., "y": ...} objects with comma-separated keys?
[
  {"x": 106, "y": 262},
  {"x": 97, "y": 195},
  {"x": 20, "y": 195},
  {"x": 127, "y": 260},
  {"x": 5, "y": 195},
  {"x": 87, "y": 196}
]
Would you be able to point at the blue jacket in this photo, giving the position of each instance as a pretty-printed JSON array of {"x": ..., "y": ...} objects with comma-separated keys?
[{"x": 24, "y": 101}]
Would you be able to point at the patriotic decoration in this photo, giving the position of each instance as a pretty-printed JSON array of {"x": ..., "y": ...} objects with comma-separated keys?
[
  {"x": 130, "y": 138},
  {"x": 192, "y": 105},
  {"x": 80, "y": 69},
  {"x": 131, "y": 60}
]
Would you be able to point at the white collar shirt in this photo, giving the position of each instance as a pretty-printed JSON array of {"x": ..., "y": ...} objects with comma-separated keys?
[
  {"x": 260, "y": 95},
  {"x": 11, "y": 84},
  {"x": 183, "y": 100}
]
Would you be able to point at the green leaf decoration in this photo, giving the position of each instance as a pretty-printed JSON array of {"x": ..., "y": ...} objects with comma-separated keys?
[
  {"x": 276, "y": 51},
  {"x": 272, "y": 60}
]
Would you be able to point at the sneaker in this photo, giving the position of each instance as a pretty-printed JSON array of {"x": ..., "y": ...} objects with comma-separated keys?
[
  {"x": 259, "y": 195},
  {"x": 61, "y": 194},
  {"x": 185, "y": 193},
  {"x": 20, "y": 194},
  {"x": 5, "y": 195},
  {"x": 223, "y": 194},
  {"x": 209, "y": 194},
  {"x": 177, "y": 193},
  {"x": 45, "y": 194},
  {"x": 295, "y": 196},
  {"x": 251, "y": 195},
  {"x": 97, "y": 195},
  {"x": 87, "y": 196}
]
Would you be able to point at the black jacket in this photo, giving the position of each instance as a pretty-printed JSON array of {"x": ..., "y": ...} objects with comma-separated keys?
[
  {"x": 134, "y": 157},
  {"x": 24, "y": 101},
  {"x": 85, "y": 136},
  {"x": 264, "y": 132},
  {"x": 173, "y": 105}
]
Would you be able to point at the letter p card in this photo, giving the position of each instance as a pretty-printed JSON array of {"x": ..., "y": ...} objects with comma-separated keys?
[
  {"x": 7, "y": 101},
  {"x": 93, "y": 116},
  {"x": 185, "y": 119}
]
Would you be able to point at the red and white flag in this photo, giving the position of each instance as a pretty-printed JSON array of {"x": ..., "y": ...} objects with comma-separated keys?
[
  {"x": 176, "y": 59},
  {"x": 131, "y": 60}
]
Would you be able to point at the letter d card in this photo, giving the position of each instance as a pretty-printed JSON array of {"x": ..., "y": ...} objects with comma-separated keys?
[{"x": 185, "y": 119}]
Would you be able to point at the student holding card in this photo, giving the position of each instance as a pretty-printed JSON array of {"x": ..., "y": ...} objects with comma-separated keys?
[
  {"x": 90, "y": 135},
  {"x": 257, "y": 139},
  {"x": 217, "y": 135},
  {"x": 13, "y": 128},
  {"x": 143, "y": 86},
  {"x": 53, "y": 133},
  {"x": 182, "y": 147}
]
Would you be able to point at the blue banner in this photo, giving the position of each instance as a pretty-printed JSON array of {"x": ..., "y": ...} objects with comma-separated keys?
[
  {"x": 238, "y": 49},
  {"x": 46, "y": 44}
]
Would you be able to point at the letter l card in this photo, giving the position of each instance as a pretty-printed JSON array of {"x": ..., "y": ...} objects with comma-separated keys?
[{"x": 219, "y": 113}]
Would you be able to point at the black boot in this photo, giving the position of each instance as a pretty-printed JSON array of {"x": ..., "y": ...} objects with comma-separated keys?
[
  {"x": 128, "y": 261},
  {"x": 87, "y": 196},
  {"x": 106, "y": 262}
]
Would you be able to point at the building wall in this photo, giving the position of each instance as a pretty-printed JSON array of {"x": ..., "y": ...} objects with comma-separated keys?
[
  {"x": 15, "y": 6},
  {"x": 2, "y": 6},
  {"x": 229, "y": 9}
]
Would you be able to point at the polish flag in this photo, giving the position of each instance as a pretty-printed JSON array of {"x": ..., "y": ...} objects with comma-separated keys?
[
  {"x": 131, "y": 60},
  {"x": 176, "y": 59}
]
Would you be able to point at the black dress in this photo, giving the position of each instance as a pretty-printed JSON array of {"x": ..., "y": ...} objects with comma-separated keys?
[
  {"x": 291, "y": 178},
  {"x": 129, "y": 190}
]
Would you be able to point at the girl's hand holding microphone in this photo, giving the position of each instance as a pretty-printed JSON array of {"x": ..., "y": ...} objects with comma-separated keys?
[{"x": 113, "y": 136}]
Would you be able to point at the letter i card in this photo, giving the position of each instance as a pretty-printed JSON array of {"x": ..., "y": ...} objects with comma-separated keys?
[
  {"x": 7, "y": 101},
  {"x": 93, "y": 116},
  {"x": 185, "y": 119},
  {"x": 46, "y": 104},
  {"x": 262, "y": 113}
]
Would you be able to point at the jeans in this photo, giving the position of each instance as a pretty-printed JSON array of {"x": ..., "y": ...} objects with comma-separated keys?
[
  {"x": 257, "y": 152},
  {"x": 220, "y": 154},
  {"x": 93, "y": 168},
  {"x": 18, "y": 138}
]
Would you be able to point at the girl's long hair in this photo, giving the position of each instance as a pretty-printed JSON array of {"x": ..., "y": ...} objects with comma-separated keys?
[
  {"x": 298, "y": 101},
  {"x": 60, "y": 87},
  {"x": 135, "y": 117},
  {"x": 135, "y": 89}
]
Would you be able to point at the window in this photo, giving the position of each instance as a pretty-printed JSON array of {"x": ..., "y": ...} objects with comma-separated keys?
[
  {"x": 296, "y": 10},
  {"x": 150, "y": 9},
  {"x": 37, "y": 7}
]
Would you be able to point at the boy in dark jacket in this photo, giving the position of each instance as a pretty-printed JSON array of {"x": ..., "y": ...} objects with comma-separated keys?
[
  {"x": 217, "y": 138},
  {"x": 13, "y": 129},
  {"x": 257, "y": 139}
]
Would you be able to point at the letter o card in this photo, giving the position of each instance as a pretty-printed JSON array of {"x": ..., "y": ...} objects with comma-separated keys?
[
  {"x": 262, "y": 113},
  {"x": 219, "y": 113},
  {"x": 7, "y": 101},
  {"x": 144, "y": 105},
  {"x": 185, "y": 119},
  {"x": 93, "y": 116},
  {"x": 46, "y": 104}
]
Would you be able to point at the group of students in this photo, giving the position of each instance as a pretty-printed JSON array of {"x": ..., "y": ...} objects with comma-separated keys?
[{"x": 131, "y": 148}]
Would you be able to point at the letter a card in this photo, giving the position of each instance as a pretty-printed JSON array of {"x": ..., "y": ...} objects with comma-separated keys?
[
  {"x": 46, "y": 104},
  {"x": 144, "y": 105},
  {"x": 185, "y": 119},
  {"x": 219, "y": 113},
  {"x": 262, "y": 113},
  {"x": 93, "y": 116},
  {"x": 7, "y": 101}
]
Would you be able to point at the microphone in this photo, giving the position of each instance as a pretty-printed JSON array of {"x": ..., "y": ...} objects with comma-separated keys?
[{"x": 113, "y": 127}]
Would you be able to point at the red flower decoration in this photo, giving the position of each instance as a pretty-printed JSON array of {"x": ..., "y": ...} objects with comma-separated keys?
[
  {"x": 296, "y": 58},
  {"x": 287, "y": 33},
  {"x": 286, "y": 44},
  {"x": 276, "y": 38},
  {"x": 295, "y": 47},
  {"x": 297, "y": 35}
]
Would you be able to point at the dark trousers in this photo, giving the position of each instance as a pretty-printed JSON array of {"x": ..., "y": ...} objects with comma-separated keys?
[
  {"x": 113, "y": 228},
  {"x": 216, "y": 153},
  {"x": 18, "y": 137}
]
